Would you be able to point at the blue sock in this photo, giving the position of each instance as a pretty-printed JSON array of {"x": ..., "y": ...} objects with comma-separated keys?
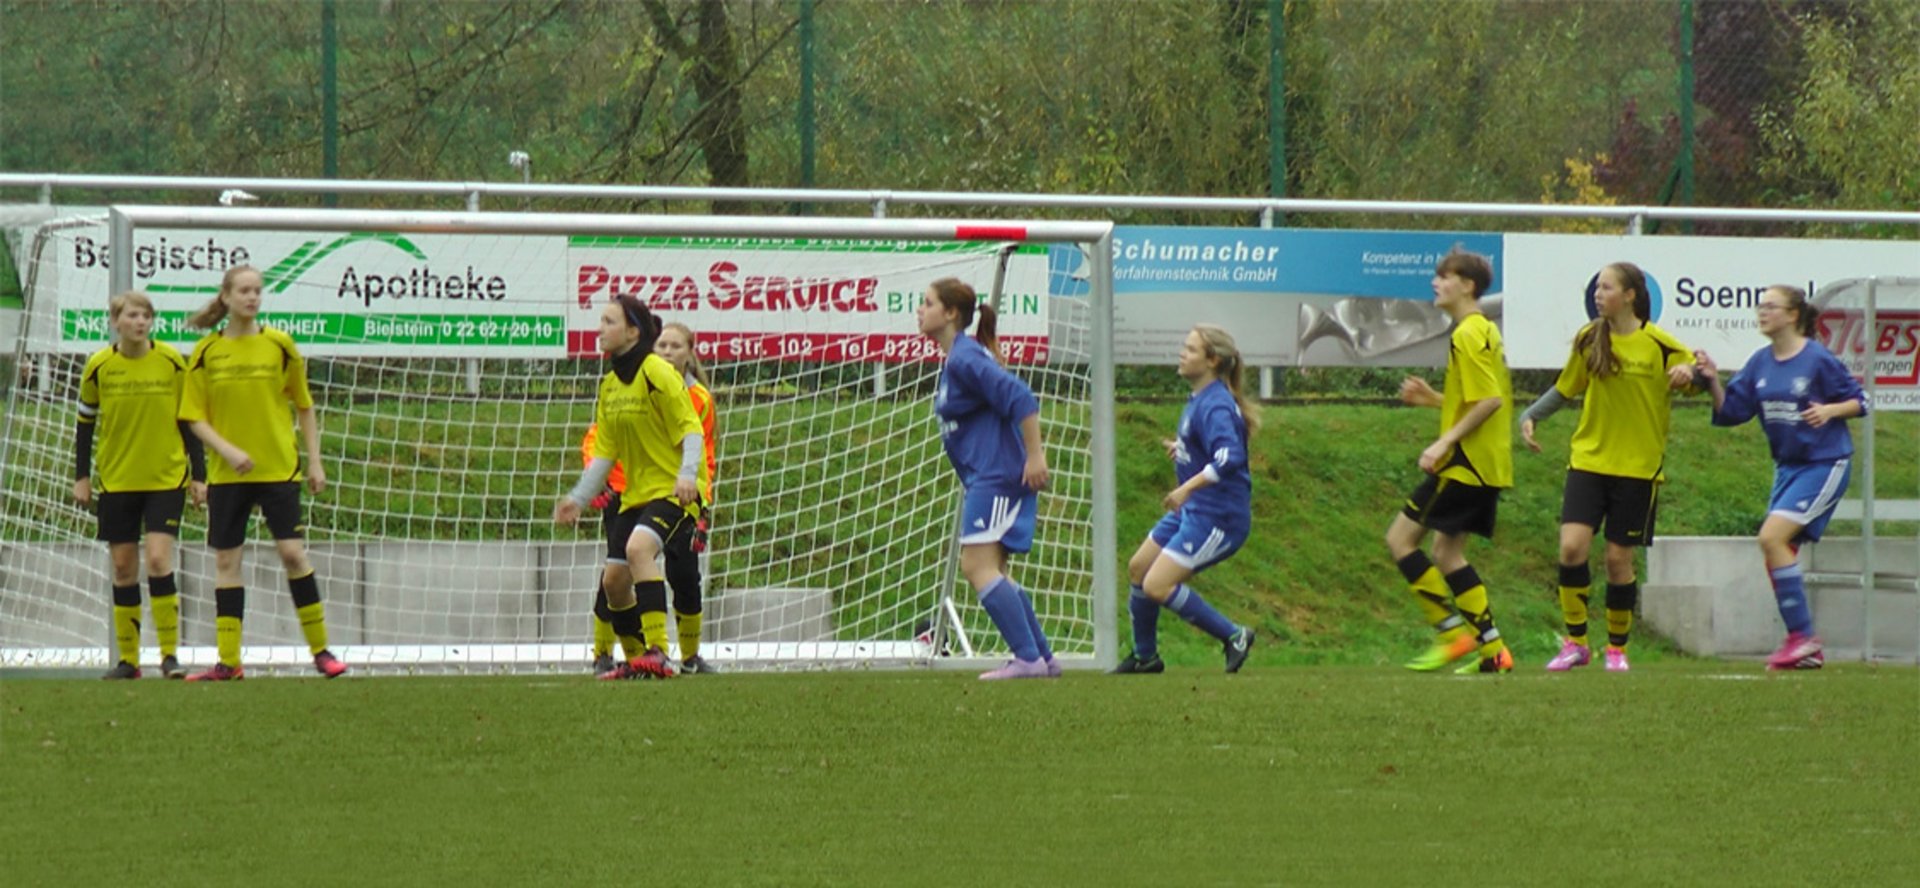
[
  {"x": 1146, "y": 624},
  {"x": 1194, "y": 609},
  {"x": 1033, "y": 623},
  {"x": 1790, "y": 591},
  {"x": 1002, "y": 603}
]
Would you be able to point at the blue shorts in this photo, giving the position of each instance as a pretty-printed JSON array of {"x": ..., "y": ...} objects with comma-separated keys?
[
  {"x": 1806, "y": 494},
  {"x": 990, "y": 517},
  {"x": 1196, "y": 541}
]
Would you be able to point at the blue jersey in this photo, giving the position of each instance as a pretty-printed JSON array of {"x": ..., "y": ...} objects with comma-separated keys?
[
  {"x": 1779, "y": 391},
  {"x": 980, "y": 406},
  {"x": 1213, "y": 441}
]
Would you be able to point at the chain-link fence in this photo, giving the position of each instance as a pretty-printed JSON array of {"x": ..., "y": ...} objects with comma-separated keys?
[{"x": 1795, "y": 102}]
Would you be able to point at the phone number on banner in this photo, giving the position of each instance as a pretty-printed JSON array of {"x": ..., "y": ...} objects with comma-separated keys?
[{"x": 861, "y": 348}]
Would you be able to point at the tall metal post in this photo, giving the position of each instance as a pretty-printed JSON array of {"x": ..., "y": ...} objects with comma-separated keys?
[
  {"x": 1106, "y": 606},
  {"x": 805, "y": 110},
  {"x": 329, "y": 101}
]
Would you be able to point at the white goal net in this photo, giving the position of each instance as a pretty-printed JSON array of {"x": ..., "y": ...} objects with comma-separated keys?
[{"x": 451, "y": 358}]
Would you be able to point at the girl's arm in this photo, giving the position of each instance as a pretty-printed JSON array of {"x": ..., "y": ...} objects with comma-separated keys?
[
  {"x": 310, "y": 433},
  {"x": 235, "y": 457},
  {"x": 1035, "y": 474}
]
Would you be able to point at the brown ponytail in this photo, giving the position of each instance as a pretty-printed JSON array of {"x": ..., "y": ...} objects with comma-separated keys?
[
  {"x": 694, "y": 368},
  {"x": 215, "y": 311},
  {"x": 1596, "y": 338},
  {"x": 1229, "y": 369},
  {"x": 1806, "y": 317},
  {"x": 957, "y": 295}
]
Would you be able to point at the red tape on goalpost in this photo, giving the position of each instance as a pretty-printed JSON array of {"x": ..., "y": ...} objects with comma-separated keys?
[{"x": 990, "y": 232}]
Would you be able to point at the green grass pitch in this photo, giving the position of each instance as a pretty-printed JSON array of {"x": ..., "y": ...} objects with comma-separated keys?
[{"x": 1681, "y": 773}]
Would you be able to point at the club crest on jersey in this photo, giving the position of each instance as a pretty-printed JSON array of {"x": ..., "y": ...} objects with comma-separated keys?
[{"x": 1799, "y": 386}]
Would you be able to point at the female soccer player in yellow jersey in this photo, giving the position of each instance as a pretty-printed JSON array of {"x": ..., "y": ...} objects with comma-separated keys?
[
  {"x": 1628, "y": 370},
  {"x": 644, "y": 422},
  {"x": 1466, "y": 469},
  {"x": 676, "y": 345},
  {"x": 130, "y": 394},
  {"x": 241, "y": 380}
]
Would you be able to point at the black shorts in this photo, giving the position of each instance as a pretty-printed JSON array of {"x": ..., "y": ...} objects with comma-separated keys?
[
  {"x": 123, "y": 515},
  {"x": 664, "y": 518},
  {"x": 230, "y": 505},
  {"x": 1453, "y": 507},
  {"x": 1625, "y": 507}
]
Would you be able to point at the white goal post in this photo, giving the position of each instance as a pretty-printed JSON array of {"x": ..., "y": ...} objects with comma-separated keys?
[{"x": 449, "y": 357}]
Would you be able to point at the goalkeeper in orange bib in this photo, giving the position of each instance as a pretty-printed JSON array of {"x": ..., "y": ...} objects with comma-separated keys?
[{"x": 683, "y": 561}]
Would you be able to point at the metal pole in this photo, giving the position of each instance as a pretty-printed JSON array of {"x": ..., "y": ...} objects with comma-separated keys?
[
  {"x": 329, "y": 100},
  {"x": 1869, "y": 584},
  {"x": 1685, "y": 161},
  {"x": 1276, "y": 98},
  {"x": 805, "y": 123},
  {"x": 1106, "y": 641}
]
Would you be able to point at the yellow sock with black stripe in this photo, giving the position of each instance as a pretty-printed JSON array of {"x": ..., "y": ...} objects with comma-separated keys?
[
  {"x": 126, "y": 623},
  {"x": 602, "y": 629},
  {"x": 651, "y": 597},
  {"x": 164, "y": 597},
  {"x": 1470, "y": 596},
  {"x": 1621, "y": 598},
  {"x": 625, "y": 623},
  {"x": 1576, "y": 583},
  {"x": 313, "y": 614},
  {"x": 1430, "y": 592},
  {"x": 688, "y": 628},
  {"x": 229, "y": 606}
]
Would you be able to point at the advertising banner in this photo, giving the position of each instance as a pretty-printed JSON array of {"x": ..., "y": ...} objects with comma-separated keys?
[
  {"x": 1305, "y": 297},
  {"x": 800, "y": 300},
  {"x": 1704, "y": 290},
  {"x": 348, "y": 294}
]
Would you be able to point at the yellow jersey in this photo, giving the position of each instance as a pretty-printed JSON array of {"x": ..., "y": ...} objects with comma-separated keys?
[
  {"x": 640, "y": 426},
  {"x": 133, "y": 404},
  {"x": 1476, "y": 371},
  {"x": 243, "y": 388},
  {"x": 1624, "y": 420}
]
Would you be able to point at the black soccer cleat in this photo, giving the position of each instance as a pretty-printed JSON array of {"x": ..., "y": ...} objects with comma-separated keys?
[
  {"x": 1132, "y": 665},
  {"x": 603, "y": 664},
  {"x": 1237, "y": 648},
  {"x": 122, "y": 671},
  {"x": 170, "y": 667},
  {"x": 697, "y": 665}
]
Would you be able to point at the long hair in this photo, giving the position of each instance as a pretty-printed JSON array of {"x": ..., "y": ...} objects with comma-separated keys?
[
  {"x": 215, "y": 311},
  {"x": 1596, "y": 338},
  {"x": 119, "y": 304},
  {"x": 956, "y": 294},
  {"x": 694, "y": 368},
  {"x": 1806, "y": 317},
  {"x": 641, "y": 318},
  {"x": 1230, "y": 370}
]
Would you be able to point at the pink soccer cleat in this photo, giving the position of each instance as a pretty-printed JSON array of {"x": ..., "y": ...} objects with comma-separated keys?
[
  {"x": 1017, "y": 668},
  {"x": 329, "y": 665},
  {"x": 219, "y": 672},
  {"x": 1572, "y": 654},
  {"x": 1616, "y": 659},
  {"x": 1799, "y": 651}
]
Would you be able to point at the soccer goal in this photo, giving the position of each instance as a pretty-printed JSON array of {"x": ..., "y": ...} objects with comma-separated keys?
[{"x": 452, "y": 359}]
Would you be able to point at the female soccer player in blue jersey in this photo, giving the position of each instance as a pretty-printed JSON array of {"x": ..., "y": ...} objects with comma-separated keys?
[
  {"x": 1803, "y": 395},
  {"x": 149, "y": 461},
  {"x": 990, "y": 427},
  {"x": 644, "y": 421},
  {"x": 1628, "y": 370},
  {"x": 241, "y": 380},
  {"x": 1208, "y": 514}
]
